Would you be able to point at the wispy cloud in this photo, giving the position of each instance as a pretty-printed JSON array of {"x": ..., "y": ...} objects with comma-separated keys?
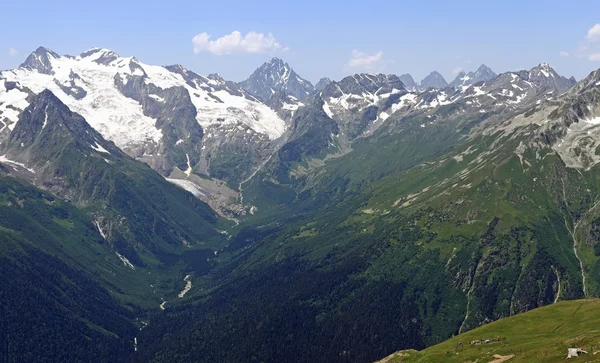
[
  {"x": 368, "y": 62},
  {"x": 593, "y": 35},
  {"x": 236, "y": 43},
  {"x": 12, "y": 52},
  {"x": 594, "y": 57},
  {"x": 564, "y": 54},
  {"x": 590, "y": 46}
]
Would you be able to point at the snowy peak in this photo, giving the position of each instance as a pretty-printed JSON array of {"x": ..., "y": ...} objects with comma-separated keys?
[
  {"x": 40, "y": 60},
  {"x": 101, "y": 56},
  {"x": 362, "y": 102},
  {"x": 484, "y": 73},
  {"x": 276, "y": 76},
  {"x": 433, "y": 80},
  {"x": 544, "y": 76},
  {"x": 89, "y": 84},
  {"x": 464, "y": 80}
]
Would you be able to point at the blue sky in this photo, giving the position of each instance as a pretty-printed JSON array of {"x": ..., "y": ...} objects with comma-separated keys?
[{"x": 317, "y": 38}]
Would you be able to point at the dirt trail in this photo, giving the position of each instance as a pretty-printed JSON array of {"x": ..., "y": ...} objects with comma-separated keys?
[{"x": 501, "y": 358}]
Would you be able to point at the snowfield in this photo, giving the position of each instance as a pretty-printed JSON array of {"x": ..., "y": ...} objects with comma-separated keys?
[{"x": 86, "y": 84}]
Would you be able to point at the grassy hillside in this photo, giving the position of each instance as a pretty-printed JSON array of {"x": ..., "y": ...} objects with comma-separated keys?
[{"x": 540, "y": 335}]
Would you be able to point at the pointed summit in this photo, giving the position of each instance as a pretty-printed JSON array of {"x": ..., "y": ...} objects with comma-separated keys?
[
  {"x": 276, "y": 76},
  {"x": 408, "y": 81},
  {"x": 544, "y": 76},
  {"x": 482, "y": 74},
  {"x": 433, "y": 80},
  {"x": 40, "y": 60},
  {"x": 323, "y": 82}
]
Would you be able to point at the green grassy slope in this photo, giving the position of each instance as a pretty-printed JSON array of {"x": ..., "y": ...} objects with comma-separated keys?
[
  {"x": 540, "y": 335},
  {"x": 53, "y": 285}
]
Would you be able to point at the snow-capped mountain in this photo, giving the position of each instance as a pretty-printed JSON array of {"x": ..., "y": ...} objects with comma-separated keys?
[
  {"x": 361, "y": 101},
  {"x": 365, "y": 101},
  {"x": 463, "y": 80},
  {"x": 323, "y": 82},
  {"x": 433, "y": 80},
  {"x": 544, "y": 76},
  {"x": 409, "y": 82},
  {"x": 573, "y": 128},
  {"x": 177, "y": 121},
  {"x": 210, "y": 135},
  {"x": 276, "y": 76}
]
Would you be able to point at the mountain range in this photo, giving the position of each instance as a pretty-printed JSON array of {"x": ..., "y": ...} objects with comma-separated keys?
[{"x": 340, "y": 222}]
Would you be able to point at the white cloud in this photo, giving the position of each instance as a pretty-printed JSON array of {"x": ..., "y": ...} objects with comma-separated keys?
[
  {"x": 590, "y": 46},
  {"x": 236, "y": 43},
  {"x": 12, "y": 52},
  {"x": 456, "y": 70},
  {"x": 593, "y": 34},
  {"x": 365, "y": 61},
  {"x": 594, "y": 57},
  {"x": 564, "y": 54}
]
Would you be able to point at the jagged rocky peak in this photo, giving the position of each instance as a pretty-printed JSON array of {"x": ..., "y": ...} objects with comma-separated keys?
[
  {"x": 274, "y": 76},
  {"x": 484, "y": 73},
  {"x": 359, "y": 84},
  {"x": 433, "y": 80},
  {"x": 40, "y": 60},
  {"x": 409, "y": 82},
  {"x": 323, "y": 82},
  {"x": 544, "y": 76},
  {"x": 464, "y": 80},
  {"x": 216, "y": 77}
]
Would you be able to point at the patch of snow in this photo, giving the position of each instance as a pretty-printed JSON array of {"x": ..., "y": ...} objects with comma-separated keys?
[
  {"x": 188, "y": 171},
  {"x": 45, "y": 117},
  {"x": 156, "y": 98},
  {"x": 3, "y": 159},
  {"x": 327, "y": 110},
  {"x": 100, "y": 229},
  {"x": 99, "y": 148},
  {"x": 382, "y": 116},
  {"x": 189, "y": 186},
  {"x": 125, "y": 261},
  {"x": 14, "y": 98}
]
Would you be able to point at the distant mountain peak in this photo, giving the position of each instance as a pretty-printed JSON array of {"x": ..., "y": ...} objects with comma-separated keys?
[
  {"x": 323, "y": 82},
  {"x": 544, "y": 76},
  {"x": 216, "y": 77},
  {"x": 433, "y": 80},
  {"x": 464, "y": 80},
  {"x": 40, "y": 60},
  {"x": 275, "y": 76},
  {"x": 408, "y": 81}
]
